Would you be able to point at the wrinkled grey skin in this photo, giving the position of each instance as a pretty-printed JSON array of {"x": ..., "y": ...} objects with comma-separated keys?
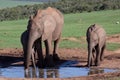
[
  {"x": 96, "y": 39},
  {"x": 45, "y": 25},
  {"x": 24, "y": 41},
  {"x": 35, "y": 49}
]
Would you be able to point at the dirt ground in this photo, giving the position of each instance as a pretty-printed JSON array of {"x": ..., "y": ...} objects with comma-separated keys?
[{"x": 111, "y": 60}]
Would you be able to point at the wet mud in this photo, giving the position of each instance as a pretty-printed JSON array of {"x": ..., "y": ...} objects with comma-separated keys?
[{"x": 72, "y": 65}]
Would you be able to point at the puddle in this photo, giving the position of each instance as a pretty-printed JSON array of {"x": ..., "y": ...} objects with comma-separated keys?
[
  {"x": 65, "y": 70},
  {"x": 61, "y": 72}
]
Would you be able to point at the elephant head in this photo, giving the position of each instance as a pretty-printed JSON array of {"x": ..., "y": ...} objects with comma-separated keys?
[{"x": 96, "y": 42}]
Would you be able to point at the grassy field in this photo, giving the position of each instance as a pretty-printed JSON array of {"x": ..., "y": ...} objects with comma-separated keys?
[
  {"x": 11, "y": 3},
  {"x": 75, "y": 27}
]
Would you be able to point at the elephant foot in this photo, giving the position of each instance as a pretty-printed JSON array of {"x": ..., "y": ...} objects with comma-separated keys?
[
  {"x": 97, "y": 64},
  {"x": 40, "y": 64},
  {"x": 91, "y": 64},
  {"x": 56, "y": 57},
  {"x": 49, "y": 61},
  {"x": 102, "y": 59},
  {"x": 88, "y": 65}
]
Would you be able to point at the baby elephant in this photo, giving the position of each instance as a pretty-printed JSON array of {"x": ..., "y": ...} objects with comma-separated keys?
[{"x": 96, "y": 39}]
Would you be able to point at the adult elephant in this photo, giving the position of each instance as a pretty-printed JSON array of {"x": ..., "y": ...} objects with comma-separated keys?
[
  {"x": 96, "y": 39},
  {"x": 45, "y": 25}
]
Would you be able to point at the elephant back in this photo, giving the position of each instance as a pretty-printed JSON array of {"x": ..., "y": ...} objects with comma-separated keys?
[
  {"x": 96, "y": 32},
  {"x": 59, "y": 21}
]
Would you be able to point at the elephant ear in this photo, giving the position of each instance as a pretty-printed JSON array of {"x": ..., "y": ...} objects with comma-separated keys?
[{"x": 49, "y": 25}]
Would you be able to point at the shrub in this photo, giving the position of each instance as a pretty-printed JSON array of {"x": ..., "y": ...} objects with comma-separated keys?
[{"x": 65, "y": 6}]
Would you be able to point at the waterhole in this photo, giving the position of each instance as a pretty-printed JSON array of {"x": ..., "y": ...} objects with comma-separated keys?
[{"x": 63, "y": 71}]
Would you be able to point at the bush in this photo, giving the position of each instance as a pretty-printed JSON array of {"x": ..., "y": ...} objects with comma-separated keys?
[{"x": 65, "y": 6}]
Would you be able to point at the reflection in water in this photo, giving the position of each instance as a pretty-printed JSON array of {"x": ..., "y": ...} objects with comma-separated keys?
[
  {"x": 31, "y": 74},
  {"x": 95, "y": 71},
  {"x": 52, "y": 73},
  {"x": 42, "y": 73},
  {"x": 61, "y": 72}
]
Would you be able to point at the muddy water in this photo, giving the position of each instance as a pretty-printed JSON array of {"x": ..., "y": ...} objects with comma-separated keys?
[{"x": 61, "y": 72}]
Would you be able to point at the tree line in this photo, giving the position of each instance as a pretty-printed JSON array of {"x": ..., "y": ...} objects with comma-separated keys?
[
  {"x": 36, "y": 0},
  {"x": 65, "y": 6}
]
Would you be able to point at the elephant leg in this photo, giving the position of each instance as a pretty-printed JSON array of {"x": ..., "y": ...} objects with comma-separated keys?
[
  {"x": 102, "y": 53},
  {"x": 48, "y": 59},
  {"x": 89, "y": 55},
  {"x": 25, "y": 52},
  {"x": 55, "y": 55},
  {"x": 93, "y": 57},
  {"x": 24, "y": 42},
  {"x": 97, "y": 52},
  {"x": 38, "y": 46},
  {"x": 98, "y": 56},
  {"x": 92, "y": 60}
]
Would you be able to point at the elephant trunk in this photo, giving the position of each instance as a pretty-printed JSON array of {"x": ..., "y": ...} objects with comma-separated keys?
[{"x": 31, "y": 41}]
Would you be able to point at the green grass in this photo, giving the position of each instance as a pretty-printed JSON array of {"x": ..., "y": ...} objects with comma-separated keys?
[
  {"x": 75, "y": 26},
  {"x": 11, "y": 3},
  {"x": 113, "y": 46},
  {"x": 72, "y": 44},
  {"x": 10, "y": 32}
]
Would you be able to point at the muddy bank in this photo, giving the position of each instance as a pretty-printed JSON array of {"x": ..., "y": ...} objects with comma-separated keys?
[{"x": 14, "y": 57}]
